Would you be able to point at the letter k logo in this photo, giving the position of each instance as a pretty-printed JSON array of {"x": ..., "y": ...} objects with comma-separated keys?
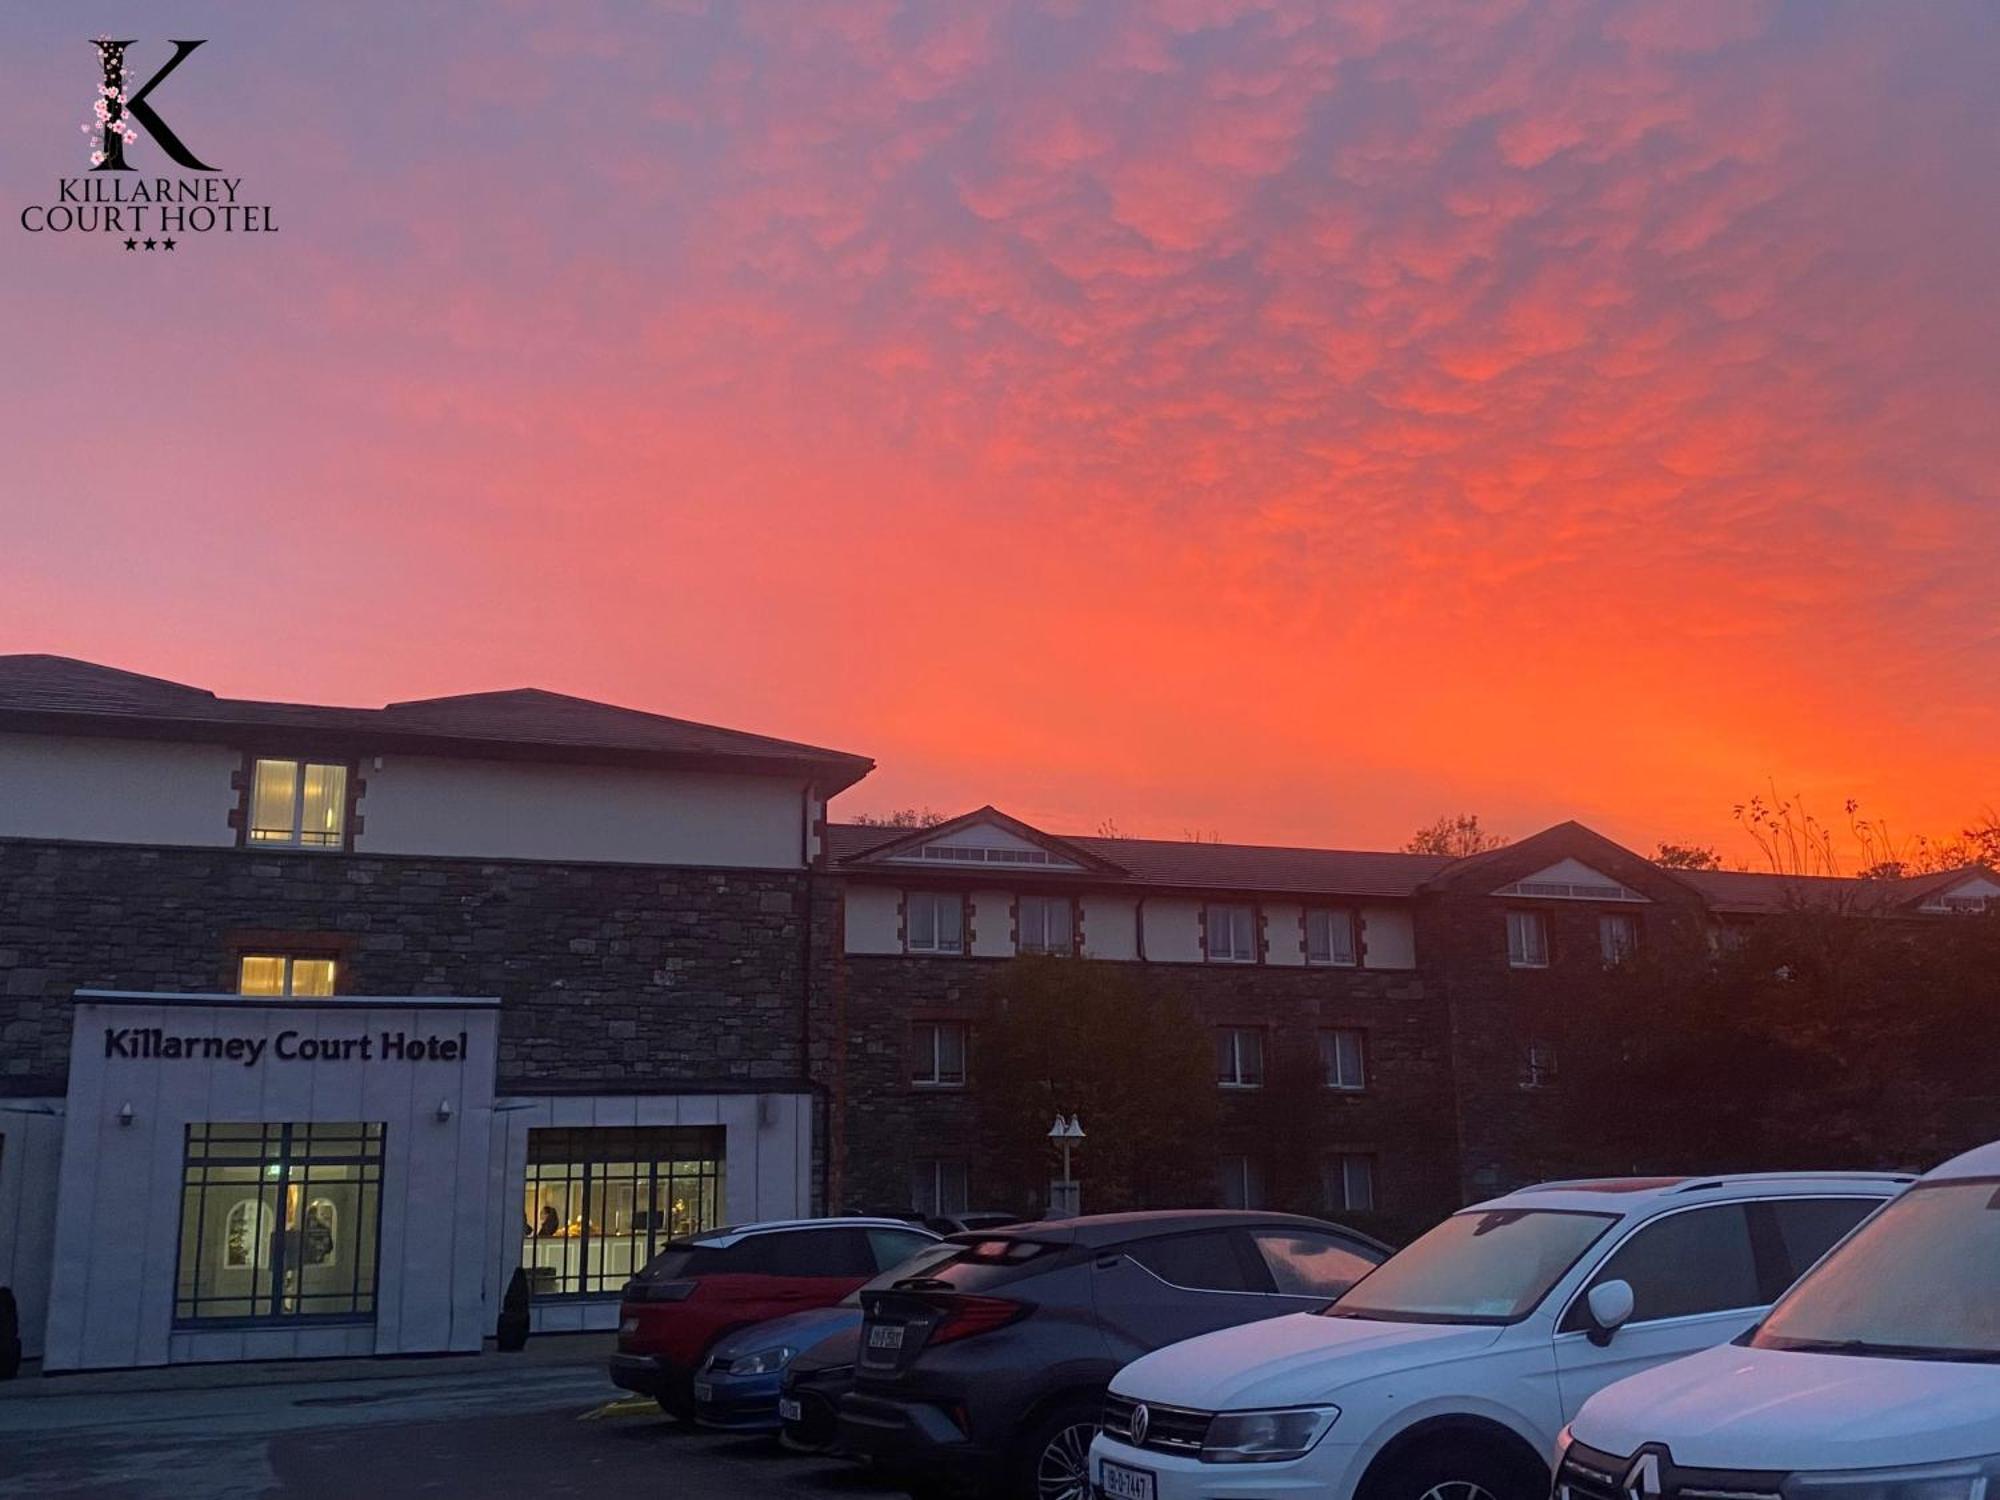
[{"x": 112, "y": 55}]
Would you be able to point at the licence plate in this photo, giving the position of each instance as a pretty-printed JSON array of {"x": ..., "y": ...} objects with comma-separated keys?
[
  {"x": 790, "y": 1410},
  {"x": 704, "y": 1390},
  {"x": 886, "y": 1336},
  {"x": 1120, "y": 1483}
]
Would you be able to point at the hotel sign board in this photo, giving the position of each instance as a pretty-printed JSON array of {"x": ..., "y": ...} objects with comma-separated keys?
[{"x": 158, "y": 1043}]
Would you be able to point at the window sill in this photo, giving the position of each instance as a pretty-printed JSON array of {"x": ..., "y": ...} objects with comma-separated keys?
[
  {"x": 1349, "y": 1089},
  {"x": 936, "y": 1088},
  {"x": 1239, "y": 1088}
]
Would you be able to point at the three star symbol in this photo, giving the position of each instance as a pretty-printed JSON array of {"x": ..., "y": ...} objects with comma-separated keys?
[{"x": 150, "y": 244}]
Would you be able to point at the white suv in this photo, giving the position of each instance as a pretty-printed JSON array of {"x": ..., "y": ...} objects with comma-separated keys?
[
  {"x": 1447, "y": 1372},
  {"x": 1876, "y": 1378}
]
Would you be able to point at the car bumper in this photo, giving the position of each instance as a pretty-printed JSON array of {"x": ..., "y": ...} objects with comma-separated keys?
[
  {"x": 649, "y": 1375},
  {"x": 1321, "y": 1473},
  {"x": 817, "y": 1426},
  {"x": 746, "y": 1404},
  {"x": 912, "y": 1438}
]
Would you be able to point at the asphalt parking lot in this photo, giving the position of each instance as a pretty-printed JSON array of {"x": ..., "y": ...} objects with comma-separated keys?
[{"x": 496, "y": 1429}]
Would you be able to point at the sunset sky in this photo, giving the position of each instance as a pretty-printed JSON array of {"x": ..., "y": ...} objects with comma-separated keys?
[{"x": 1277, "y": 420}]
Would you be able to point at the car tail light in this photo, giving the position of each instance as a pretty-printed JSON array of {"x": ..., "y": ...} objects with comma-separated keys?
[
  {"x": 660, "y": 1291},
  {"x": 966, "y": 1317}
]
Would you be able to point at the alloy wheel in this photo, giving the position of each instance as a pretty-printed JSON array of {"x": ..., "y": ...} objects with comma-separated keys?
[
  {"x": 1457, "y": 1489},
  {"x": 1063, "y": 1471}
]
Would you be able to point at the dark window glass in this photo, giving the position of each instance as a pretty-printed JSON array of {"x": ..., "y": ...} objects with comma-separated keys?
[
  {"x": 891, "y": 1247},
  {"x": 1304, "y": 1264},
  {"x": 1685, "y": 1264},
  {"x": 809, "y": 1252},
  {"x": 1205, "y": 1262},
  {"x": 1808, "y": 1228}
]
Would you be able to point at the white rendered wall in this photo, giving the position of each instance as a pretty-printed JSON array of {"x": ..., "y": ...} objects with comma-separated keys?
[
  {"x": 1389, "y": 938},
  {"x": 766, "y": 1171},
  {"x": 992, "y": 924},
  {"x": 872, "y": 922},
  {"x": 111, "y": 1302},
  {"x": 507, "y": 810},
  {"x": 30, "y": 1159},
  {"x": 116, "y": 791},
  {"x": 1172, "y": 930},
  {"x": 1110, "y": 929},
  {"x": 1284, "y": 933}
]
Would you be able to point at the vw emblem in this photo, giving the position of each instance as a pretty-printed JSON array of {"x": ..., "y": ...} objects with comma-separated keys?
[{"x": 1141, "y": 1420}]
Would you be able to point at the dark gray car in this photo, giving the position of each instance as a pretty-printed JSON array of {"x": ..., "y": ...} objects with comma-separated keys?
[{"x": 985, "y": 1375}]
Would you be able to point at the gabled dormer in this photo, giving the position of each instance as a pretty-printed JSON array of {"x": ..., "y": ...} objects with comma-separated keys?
[
  {"x": 984, "y": 841},
  {"x": 1569, "y": 880}
]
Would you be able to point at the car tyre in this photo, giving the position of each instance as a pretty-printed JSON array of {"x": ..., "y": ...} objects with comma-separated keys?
[
  {"x": 1461, "y": 1469},
  {"x": 1051, "y": 1460}
]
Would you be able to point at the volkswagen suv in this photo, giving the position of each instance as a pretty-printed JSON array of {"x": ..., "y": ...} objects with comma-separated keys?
[{"x": 1451, "y": 1369}]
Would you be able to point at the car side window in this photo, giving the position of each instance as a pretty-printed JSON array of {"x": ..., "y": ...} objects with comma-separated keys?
[
  {"x": 1203, "y": 1262},
  {"x": 1697, "y": 1261},
  {"x": 891, "y": 1247},
  {"x": 818, "y": 1252},
  {"x": 1806, "y": 1229},
  {"x": 1304, "y": 1264}
]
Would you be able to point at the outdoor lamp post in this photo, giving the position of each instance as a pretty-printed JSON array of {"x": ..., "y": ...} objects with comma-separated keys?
[{"x": 1065, "y": 1197}]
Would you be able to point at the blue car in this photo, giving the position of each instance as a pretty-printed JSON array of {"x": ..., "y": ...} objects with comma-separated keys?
[{"x": 736, "y": 1387}]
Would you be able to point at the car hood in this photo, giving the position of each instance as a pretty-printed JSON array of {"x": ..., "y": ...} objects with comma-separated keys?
[
  {"x": 801, "y": 1330},
  {"x": 1741, "y": 1408},
  {"x": 1291, "y": 1360}
]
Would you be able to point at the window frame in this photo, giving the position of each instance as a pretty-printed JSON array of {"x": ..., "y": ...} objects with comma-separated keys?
[
  {"x": 1236, "y": 1033},
  {"x": 1333, "y": 914},
  {"x": 936, "y": 1080},
  {"x": 944, "y": 900},
  {"x": 351, "y": 790},
  {"x": 1252, "y": 1173},
  {"x": 1066, "y": 902},
  {"x": 583, "y": 1154},
  {"x": 1540, "y": 1067},
  {"x": 1252, "y": 912},
  {"x": 1605, "y": 922},
  {"x": 1333, "y": 1034},
  {"x": 290, "y": 958},
  {"x": 1540, "y": 919},
  {"x": 1341, "y": 1161},
  {"x": 935, "y": 1167}
]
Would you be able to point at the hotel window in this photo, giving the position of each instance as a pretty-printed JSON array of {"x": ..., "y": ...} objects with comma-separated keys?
[
  {"x": 1618, "y": 936},
  {"x": 934, "y": 922},
  {"x": 1330, "y": 938},
  {"x": 1343, "y": 1058},
  {"x": 1239, "y": 1057},
  {"x": 1232, "y": 934},
  {"x": 1350, "y": 1182},
  {"x": 1240, "y": 1182},
  {"x": 599, "y": 1203},
  {"x": 1538, "y": 1065},
  {"x": 278, "y": 1223},
  {"x": 284, "y": 974},
  {"x": 1527, "y": 940},
  {"x": 1046, "y": 924},
  {"x": 937, "y": 1186},
  {"x": 300, "y": 804},
  {"x": 937, "y": 1054}
]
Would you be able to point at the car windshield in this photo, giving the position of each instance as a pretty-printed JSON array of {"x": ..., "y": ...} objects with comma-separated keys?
[
  {"x": 1484, "y": 1266},
  {"x": 1920, "y": 1280},
  {"x": 919, "y": 1264}
]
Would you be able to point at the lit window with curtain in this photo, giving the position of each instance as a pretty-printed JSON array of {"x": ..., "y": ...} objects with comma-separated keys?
[
  {"x": 298, "y": 804},
  {"x": 284, "y": 974},
  {"x": 1232, "y": 934}
]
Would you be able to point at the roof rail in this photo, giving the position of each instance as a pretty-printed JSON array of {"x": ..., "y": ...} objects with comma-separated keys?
[{"x": 1710, "y": 1183}]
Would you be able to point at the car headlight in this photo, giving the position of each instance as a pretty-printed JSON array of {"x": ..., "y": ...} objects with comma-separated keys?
[
  {"x": 1265, "y": 1437},
  {"x": 762, "y": 1361},
  {"x": 1965, "y": 1479}
]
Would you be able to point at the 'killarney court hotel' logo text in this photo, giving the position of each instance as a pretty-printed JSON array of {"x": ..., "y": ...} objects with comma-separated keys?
[{"x": 113, "y": 199}]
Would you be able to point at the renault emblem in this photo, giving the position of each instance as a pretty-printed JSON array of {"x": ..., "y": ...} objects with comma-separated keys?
[
  {"x": 1141, "y": 1420},
  {"x": 1642, "y": 1480}
]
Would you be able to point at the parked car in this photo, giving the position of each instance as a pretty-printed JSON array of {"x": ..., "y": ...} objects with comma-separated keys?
[
  {"x": 1450, "y": 1370},
  {"x": 969, "y": 1221},
  {"x": 1878, "y": 1375},
  {"x": 810, "y": 1390},
  {"x": 698, "y": 1290},
  {"x": 736, "y": 1385},
  {"x": 988, "y": 1373}
]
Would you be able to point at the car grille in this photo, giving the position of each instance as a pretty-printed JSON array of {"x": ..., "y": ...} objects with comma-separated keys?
[
  {"x": 1590, "y": 1474},
  {"x": 1169, "y": 1429}
]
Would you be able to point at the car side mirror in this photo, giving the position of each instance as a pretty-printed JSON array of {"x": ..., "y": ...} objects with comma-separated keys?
[{"x": 1610, "y": 1304}]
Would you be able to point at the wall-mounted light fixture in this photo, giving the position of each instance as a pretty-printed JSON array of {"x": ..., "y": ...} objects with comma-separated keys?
[
  {"x": 443, "y": 1110},
  {"x": 125, "y": 1113}
]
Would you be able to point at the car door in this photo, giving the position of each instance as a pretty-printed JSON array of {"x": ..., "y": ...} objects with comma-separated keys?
[
  {"x": 1695, "y": 1284},
  {"x": 811, "y": 1268},
  {"x": 1155, "y": 1292}
]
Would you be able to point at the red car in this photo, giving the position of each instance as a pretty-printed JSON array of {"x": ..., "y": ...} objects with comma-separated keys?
[{"x": 696, "y": 1290}]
